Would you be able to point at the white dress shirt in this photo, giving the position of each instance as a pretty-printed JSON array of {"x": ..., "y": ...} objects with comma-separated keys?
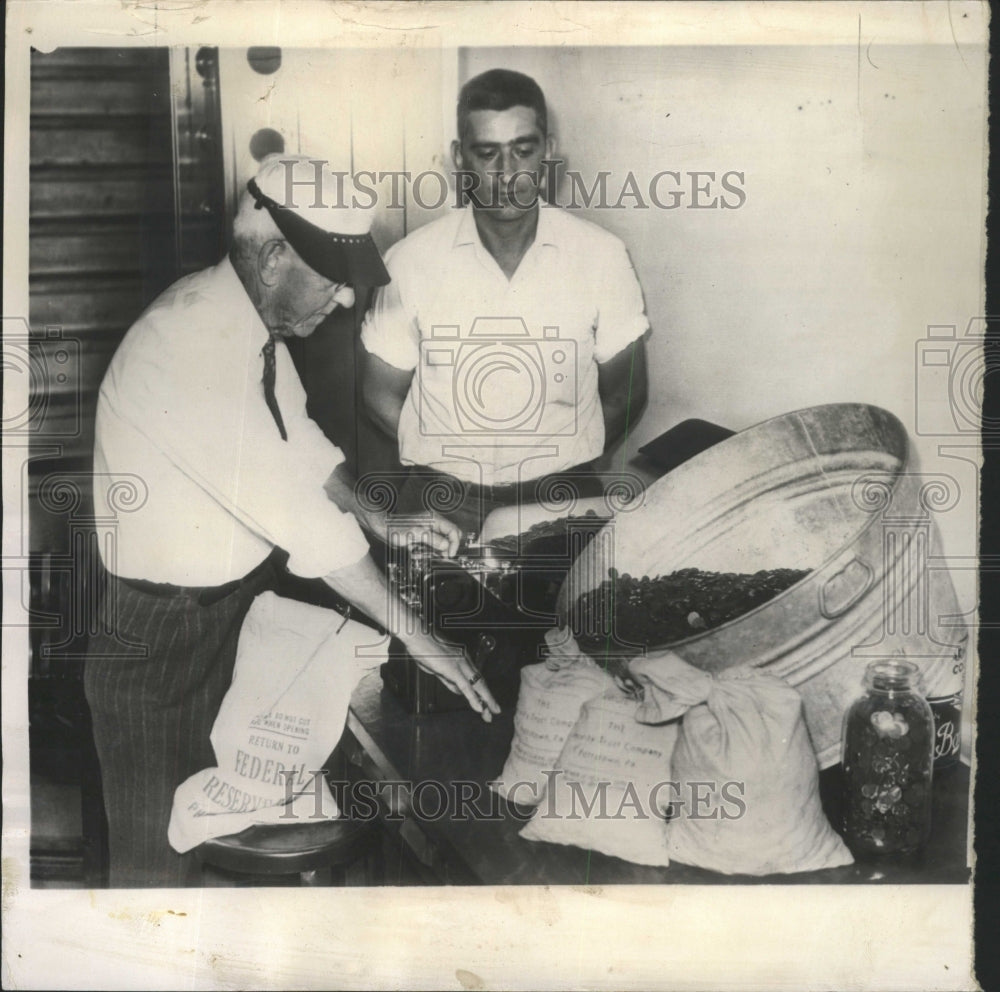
[
  {"x": 505, "y": 386},
  {"x": 181, "y": 415}
]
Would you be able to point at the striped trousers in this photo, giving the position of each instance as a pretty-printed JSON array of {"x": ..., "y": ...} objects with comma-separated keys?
[{"x": 155, "y": 680}]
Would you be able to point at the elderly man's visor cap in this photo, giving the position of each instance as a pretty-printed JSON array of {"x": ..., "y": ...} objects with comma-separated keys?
[{"x": 342, "y": 258}]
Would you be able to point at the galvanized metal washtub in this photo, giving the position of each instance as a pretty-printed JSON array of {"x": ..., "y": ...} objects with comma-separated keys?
[{"x": 834, "y": 489}]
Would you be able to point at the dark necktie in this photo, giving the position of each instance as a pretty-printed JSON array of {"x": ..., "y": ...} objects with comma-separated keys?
[{"x": 269, "y": 374}]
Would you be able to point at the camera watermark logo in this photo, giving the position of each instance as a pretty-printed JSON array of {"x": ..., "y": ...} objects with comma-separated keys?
[
  {"x": 44, "y": 368},
  {"x": 500, "y": 378},
  {"x": 951, "y": 371}
]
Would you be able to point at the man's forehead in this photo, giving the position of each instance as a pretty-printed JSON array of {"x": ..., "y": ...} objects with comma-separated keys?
[{"x": 501, "y": 126}]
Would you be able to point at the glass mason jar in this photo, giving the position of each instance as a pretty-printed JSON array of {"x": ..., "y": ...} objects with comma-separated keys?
[{"x": 888, "y": 760}]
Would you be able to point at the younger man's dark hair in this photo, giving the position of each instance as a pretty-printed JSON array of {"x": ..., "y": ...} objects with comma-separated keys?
[{"x": 501, "y": 89}]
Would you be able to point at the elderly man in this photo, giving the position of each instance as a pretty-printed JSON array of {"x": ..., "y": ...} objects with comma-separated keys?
[
  {"x": 509, "y": 345},
  {"x": 202, "y": 404}
]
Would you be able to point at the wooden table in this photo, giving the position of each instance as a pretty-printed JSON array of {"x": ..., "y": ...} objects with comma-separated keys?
[{"x": 434, "y": 770}]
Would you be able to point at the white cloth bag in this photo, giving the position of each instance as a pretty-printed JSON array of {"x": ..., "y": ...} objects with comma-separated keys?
[
  {"x": 610, "y": 786},
  {"x": 548, "y": 705},
  {"x": 282, "y": 717},
  {"x": 742, "y": 731}
]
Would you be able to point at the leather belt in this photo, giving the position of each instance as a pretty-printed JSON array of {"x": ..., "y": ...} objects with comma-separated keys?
[
  {"x": 524, "y": 491},
  {"x": 501, "y": 492}
]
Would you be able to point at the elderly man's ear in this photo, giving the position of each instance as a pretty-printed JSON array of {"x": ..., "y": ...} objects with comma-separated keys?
[{"x": 270, "y": 261}]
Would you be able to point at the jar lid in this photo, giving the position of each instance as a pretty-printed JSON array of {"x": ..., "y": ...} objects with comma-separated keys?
[{"x": 894, "y": 674}]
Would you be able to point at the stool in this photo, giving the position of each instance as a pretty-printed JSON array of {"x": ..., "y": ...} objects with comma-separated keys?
[{"x": 321, "y": 852}]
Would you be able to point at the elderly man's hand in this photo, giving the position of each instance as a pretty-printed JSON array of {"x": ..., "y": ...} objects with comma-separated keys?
[
  {"x": 451, "y": 665},
  {"x": 430, "y": 529}
]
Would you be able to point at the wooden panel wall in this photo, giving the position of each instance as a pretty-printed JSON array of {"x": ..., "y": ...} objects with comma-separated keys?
[
  {"x": 101, "y": 227},
  {"x": 125, "y": 196}
]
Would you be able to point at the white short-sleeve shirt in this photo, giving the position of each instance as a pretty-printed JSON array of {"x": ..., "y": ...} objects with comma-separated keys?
[
  {"x": 505, "y": 383},
  {"x": 191, "y": 476}
]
